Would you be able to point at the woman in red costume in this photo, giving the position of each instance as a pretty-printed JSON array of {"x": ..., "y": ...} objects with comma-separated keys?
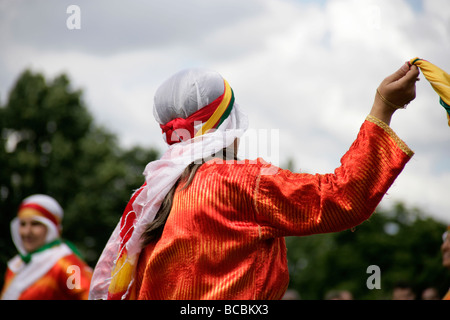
[
  {"x": 46, "y": 268},
  {"x": 202, "y": 227}
]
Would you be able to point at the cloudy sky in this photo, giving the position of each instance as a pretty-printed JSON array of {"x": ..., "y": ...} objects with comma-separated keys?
[{"x": 305, "y": 71}]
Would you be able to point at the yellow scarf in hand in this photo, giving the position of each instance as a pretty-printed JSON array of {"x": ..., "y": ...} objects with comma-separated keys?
[{"x": 439, "y": 80}]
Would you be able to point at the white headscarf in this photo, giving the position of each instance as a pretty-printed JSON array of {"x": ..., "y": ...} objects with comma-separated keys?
[
  {"x": 48, "y": 212},
  {"x": 53, "y": 213},
  {"x": 180, "y": 96}
]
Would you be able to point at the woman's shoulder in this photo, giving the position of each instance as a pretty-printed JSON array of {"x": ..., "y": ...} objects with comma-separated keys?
[{"x": 239, "y": 168}]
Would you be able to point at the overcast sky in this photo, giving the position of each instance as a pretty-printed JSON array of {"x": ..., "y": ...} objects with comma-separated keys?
[{"x": 304, "y": 71}]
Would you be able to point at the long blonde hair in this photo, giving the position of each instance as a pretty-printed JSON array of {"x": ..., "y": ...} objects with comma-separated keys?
[{"x": 156, "y": 227}]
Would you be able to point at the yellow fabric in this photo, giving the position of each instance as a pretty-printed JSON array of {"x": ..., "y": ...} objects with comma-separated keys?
[
  {"x": 124, "y": 270},
  {"x": 29, "y": 213},
  {"x": 219, "y": 111},
  {"x": 439, "y": 80}
]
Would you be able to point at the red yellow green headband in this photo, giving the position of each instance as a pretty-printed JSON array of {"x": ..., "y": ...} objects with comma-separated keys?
[
  {"x": 211, "y": 116},
  {"x": 33, "y": 209}
]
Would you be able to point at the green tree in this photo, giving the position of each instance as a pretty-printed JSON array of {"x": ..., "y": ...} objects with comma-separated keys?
[
  {"x": 404, "y": 243},
  {"x": 50, "y": 144}
]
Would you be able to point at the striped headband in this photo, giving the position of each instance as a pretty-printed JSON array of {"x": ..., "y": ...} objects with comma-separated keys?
[
  {"x": 211, "y": 116},
  {"x": 37, "y": 210}
]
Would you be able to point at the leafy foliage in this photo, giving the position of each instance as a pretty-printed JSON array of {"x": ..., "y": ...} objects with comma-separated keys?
[
  {"x": 50, "y": 144},
  {"x": 402, "y": 242}
]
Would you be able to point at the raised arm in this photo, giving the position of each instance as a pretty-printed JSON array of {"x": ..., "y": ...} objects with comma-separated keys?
[
  {"x": 395, "y": 92},
  {"x": 289, "y": 203}
]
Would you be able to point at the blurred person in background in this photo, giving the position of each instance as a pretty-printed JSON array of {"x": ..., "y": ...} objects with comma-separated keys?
[
  {"x": 46, "y": 267},
  {"x": 430, "y": 293},
  {"x": 403, "y": 291},
  {"x": 338, "y": 295},
  {"x": 445, "y": 248},
  {"x": 291, "y": 294}
]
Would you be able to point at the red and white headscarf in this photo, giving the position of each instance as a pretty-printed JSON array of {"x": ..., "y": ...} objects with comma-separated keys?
[
  {"x": 42, "y": 208},
  {"x": 47, "y": 211},
  {"x": 198, "y": 117}
]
